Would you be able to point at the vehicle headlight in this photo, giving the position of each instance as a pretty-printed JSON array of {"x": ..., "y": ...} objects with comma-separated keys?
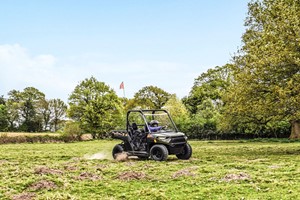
[{"x": 164, "y": 139}]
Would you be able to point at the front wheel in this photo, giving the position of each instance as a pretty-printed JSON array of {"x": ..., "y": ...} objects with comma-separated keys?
[
  {"x": 117, "y": 150},
  {"x": 186, "y": 152},
  {"x": 159, "y": 152}
]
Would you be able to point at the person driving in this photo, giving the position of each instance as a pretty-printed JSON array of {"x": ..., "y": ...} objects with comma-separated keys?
[{"x": 154, "y": 126}]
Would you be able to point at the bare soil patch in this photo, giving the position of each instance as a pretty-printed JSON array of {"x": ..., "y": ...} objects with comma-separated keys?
[
  {"x": 3, "y": 161},
  {"x": 43, "y": 184},
  {"x": 88, "y": 176},
  {"x": 236, "y": 177},
  {"x": 70, "y": 167},
  {"x": 46, "y": 170},
  {"x": 185, "y": 172},
  {"x": 24, "y": 196},
  {"x": 127, "y": 176}
]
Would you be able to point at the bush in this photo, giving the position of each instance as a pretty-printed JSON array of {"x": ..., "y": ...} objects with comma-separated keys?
[{"x": 72, "y": 130}]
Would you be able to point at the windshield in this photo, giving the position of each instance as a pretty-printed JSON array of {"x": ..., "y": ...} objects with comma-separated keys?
[
  {"x": 150, "y": 121},
  {"x": 159, "y": 119}
]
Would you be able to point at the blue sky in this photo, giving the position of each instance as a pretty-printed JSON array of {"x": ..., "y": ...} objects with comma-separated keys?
[{"x": 53, "y": 45}]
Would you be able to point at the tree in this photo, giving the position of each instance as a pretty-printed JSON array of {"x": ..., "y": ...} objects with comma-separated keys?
[
  {"x": 23, "y": 109},
  {"x": 151, "y": 97},
  {"x": 58, "y": 110},
  {"x": 178, "y": 112},
  {"x": 95, "y": 106},
  {"x": 209, "y": 86},
  {"x": 3, "y": 115},
  {"x": 45, "y": 112},
  {"x": 266, "y": 85}
]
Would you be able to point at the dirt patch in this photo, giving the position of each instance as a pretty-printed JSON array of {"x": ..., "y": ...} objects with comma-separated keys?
[
  {"x": 3, "y": 161},
  {"x": 88, "y": 176},
  {"x": 127, "y": 176},
  {"x": 46, "y": 170},
  {"x": 43, "y": 184},
  {"x": 185, "y": 172},
  {"x": 121, "y": 157},
  {"x": 24, "y": 196},
  {"x": 70, "y": 167},
  {"x": 100, "y": 167},
  {"x": 236, "y": 177}
]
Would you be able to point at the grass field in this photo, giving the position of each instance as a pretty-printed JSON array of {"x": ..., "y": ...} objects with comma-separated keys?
[{"x": 217, "y": 170}]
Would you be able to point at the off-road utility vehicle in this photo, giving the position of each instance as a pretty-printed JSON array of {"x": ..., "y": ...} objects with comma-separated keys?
[{"x": 151, "y": 133}]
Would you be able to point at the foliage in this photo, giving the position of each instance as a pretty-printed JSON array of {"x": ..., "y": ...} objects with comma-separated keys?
[
  {"x": 209, "y": 86},
  {"x": 218, "y": 170},
  {"x": 205, "y": 101},
  {"x": 96, "y": 107},
  {"x": 29, "y": 111},
  {"x": 267, "y": 70},
  {"x": 178, "y": 112},
  {"x": 3, "y": 118},
  {"x": 151, "y": 97},
  {"x": 72, "y": 129},
  {"x": 23, "y": 108},
  {"x": 57, "y": 110}
]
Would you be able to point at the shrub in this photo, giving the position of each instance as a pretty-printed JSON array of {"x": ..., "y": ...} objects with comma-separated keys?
[{"x": 72, "y": 130}]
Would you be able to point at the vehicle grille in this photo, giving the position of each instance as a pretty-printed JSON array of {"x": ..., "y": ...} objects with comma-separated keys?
[{"x": 178, "y": 139}]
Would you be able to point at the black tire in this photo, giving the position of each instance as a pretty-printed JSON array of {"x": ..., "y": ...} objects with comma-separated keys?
[
  {"x": 116, "y": 150},
  {"x": 186, "y": 153},
  {"x": 159, "y": 152}
]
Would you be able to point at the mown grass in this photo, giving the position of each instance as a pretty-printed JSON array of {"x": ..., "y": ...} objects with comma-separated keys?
[{"x": 218, "y": 170}]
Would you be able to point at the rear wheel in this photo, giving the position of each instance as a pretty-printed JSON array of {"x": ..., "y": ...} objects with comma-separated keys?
[
  {"x": 117, "y": 150},
  {"x": 159, "y": 152},
  {"x": 186, "y": 152}
]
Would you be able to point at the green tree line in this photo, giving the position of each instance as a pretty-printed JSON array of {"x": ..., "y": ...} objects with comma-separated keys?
[{"x": 256, "y": 95}]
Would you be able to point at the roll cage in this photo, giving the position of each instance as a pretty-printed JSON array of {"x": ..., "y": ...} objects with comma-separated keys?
[{"x": 144, "y": 123}]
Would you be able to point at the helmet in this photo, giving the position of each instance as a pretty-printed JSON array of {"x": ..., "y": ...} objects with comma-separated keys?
[{"x": 154, "y": 123}]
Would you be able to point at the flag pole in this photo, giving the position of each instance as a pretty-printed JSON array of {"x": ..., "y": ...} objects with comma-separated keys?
[{"x": 124, "y": 92}]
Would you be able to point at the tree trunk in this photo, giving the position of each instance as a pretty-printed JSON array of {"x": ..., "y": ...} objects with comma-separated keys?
[{"x": 295, "y": 134}]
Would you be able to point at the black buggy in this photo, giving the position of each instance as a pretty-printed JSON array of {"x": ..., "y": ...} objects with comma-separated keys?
[{"x": 151, "y": 133}]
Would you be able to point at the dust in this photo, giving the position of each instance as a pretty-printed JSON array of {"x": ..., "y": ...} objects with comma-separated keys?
[
  {"x": 236, "y": 177},
  {"x": 127, "y": 176},
  {"x": 43, "y": 184},
  {"x": 24, "y": 196},
  {"x": 97, "y": 156},
  {"x": 121, "y": 157}
]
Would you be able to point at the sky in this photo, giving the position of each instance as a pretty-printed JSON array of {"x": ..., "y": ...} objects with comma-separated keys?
[{"x": 54, "y": 45}]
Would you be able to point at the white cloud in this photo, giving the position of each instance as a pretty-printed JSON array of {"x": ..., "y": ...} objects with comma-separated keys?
[{"x": 57, "y": 77}]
